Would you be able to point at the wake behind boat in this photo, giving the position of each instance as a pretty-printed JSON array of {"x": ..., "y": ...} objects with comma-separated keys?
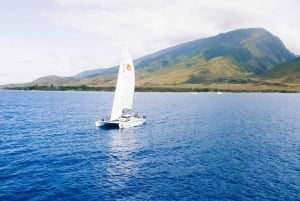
[{"x": 122, "y": 115}]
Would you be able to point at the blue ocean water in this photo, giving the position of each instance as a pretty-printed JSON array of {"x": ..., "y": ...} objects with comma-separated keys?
[{"x": 205, "y": 146}]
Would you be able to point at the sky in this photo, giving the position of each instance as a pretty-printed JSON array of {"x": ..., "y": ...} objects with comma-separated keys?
[{"x": 65, "y": 37}]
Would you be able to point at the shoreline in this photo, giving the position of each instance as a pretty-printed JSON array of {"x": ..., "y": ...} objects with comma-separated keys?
[{"x": 201, "y": 88}]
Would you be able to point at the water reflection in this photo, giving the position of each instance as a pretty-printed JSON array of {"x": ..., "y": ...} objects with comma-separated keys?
[{"x": 123, "y": 167}]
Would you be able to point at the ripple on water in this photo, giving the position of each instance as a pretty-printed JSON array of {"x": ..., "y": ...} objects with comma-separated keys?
[{"x": 200, "y": 147}]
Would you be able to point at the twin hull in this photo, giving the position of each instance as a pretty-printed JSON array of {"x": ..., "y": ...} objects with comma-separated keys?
[{"x": 121, "y": 123}]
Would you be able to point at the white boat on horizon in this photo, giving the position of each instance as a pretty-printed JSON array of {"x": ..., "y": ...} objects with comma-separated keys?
[
  {"x": 219, "y": 92},
  {"x": 194, "y": 92},
  {"x": 122, "y": 114}
]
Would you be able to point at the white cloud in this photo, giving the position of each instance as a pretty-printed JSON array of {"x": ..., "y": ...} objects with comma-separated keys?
[{"x": 157, "y": 24}]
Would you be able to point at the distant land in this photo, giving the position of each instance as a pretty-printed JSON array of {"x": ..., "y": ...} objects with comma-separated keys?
[{"x": 250, "y": 60}]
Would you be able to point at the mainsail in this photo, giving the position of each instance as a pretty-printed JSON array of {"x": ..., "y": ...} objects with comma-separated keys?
[{"x": 124, "y": 92}]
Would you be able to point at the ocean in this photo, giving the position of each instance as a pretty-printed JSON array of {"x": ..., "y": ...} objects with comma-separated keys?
[{"x": 205, "y": 146}]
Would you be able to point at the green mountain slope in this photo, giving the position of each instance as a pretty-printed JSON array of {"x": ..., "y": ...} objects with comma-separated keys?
[
  {"x": 198, "y": 70},
  {"x": 233, "y": 55},
  {"x": 253, "y": 50},
  {"x": 288, "y": 72},
  {"x": 54, "y": 80}
]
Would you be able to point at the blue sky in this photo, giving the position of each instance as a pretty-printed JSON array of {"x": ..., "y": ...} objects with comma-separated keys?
[{"x": 65, "y": 37}]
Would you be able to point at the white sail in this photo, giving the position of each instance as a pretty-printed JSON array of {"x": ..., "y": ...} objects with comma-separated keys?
[{"x": 124, "y": 92}]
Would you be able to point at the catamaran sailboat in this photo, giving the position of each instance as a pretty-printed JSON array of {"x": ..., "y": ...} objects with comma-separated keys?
[{"x": 122, "y": 115}]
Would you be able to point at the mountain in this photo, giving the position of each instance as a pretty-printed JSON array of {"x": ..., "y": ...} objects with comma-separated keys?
[
  {"x": 249, "y": 51},
  {"x": 254, "y": 50},
  {"x": 239, "y": 56},
  {"x": 288, "y": 72},
  {"x": 54, "y": 80},
  {"x": 93, "y": 73}
]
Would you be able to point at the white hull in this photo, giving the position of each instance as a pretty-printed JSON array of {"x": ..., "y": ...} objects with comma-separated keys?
[{"x": 121, "y": 123}]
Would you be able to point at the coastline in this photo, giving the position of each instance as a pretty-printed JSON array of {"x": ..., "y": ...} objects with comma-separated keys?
[{"x": 283, "y": 88}]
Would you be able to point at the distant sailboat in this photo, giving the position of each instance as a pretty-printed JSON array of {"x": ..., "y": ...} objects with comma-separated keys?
[
  {"x": 193, "y": 92},
  {"x": 219, "y": 92},
  {"x": 122, "y": 115}
]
